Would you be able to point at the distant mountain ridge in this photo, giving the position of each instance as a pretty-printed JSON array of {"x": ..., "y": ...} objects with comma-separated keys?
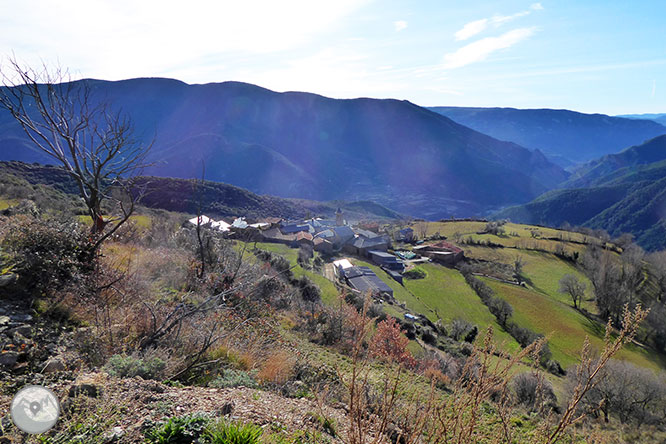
[
  {"x": 659, "y": 118},
  {"x": 307, "y": 146},
  {"x": 566, "y": 137},
  {"x": 621, "y": 193},
  {"x": 213, "y": 198}
]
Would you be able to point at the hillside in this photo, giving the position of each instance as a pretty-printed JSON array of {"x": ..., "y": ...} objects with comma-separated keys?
[
  {"x": 615, "y": 167},
  {"x": 215, "y": 199},
  {"x": 565, "y": 136},
  {"x": 307, "y": 146},
  {"x": 621, "y": 193},
  {"x": 268, "y": 338}
]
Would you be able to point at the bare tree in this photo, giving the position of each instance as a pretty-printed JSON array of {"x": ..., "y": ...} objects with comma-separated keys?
[
  {"x": 94, "y": 143},
  {"x": 570, "y": 285}
]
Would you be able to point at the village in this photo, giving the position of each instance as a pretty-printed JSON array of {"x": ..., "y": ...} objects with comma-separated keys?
[{"x": 337, "y": 242}]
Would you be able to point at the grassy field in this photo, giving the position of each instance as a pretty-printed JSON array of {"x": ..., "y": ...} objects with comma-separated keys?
[
  {"x": 444, "y": 295},
  {"x": 141, "y": 221},
  {"x": 515, "y": 236},
  {"x": 543, "y": 270},
  {"x": 567, "y": 327},
  {"x": 447, "y": 296},
  {"x": 6, "y": 203}
]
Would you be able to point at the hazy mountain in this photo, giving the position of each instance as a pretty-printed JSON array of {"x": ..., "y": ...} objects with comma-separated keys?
[
  {"x": 659, "y": 118},
  {"x": 614, "y": 167},
  {"x": 566, "y": 137},
  {"x": 624, "y": 192},
  {"x": 308, "y": 146}
]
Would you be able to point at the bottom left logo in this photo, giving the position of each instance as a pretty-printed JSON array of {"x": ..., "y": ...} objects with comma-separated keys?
[{"x": 35, "y": 409}]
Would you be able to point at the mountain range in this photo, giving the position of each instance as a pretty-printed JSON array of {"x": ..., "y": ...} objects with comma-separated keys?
[
  {"x": 432, "y": 163},
  {"x": 621, "y": 193},
  {"x": 566, "y": 137},
  {"x": 307, "y": 146},
  {"x": 659, "y": 118}
]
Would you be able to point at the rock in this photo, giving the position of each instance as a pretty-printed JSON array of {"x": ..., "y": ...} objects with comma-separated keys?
[
  {"x": 227, "y": 408},
  {"x": 24, "y": 330},
  {"x": 7, "y": 279},
  {"x": 54, "y": 365},
  {"x": 154, "y": 386},
  {"x": 4, "y": 320},
  {"x": 88, "y": 389},
  {"x": 22, "y": 318},
  {"x": 113, "y": 435},
  {"x": 19, "y": 339},
  {"x": 8, "y": 359}
]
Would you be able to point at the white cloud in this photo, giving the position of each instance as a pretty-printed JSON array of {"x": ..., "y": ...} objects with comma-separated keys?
[
  {"x": 477, "y": 26},
  {"x": 400, "y": 25},
  {"x": 471, "y": 29},
  {"x": 126, "y": 38},
  {"x": 499, "y": 20},
  {"x": 481, "y": 49}
]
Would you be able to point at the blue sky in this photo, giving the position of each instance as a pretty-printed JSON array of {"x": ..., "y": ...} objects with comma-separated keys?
[{"x": 590, "y": 56}]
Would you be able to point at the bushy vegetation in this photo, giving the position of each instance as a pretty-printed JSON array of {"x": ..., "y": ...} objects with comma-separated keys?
[
  {"x": 226, "y": 432},
  {"x": 178, "y": 430},
  {"x": 48, "y": 254},
  {"x": 124, "y": 366},
  {"x": 234, "y": 378}
]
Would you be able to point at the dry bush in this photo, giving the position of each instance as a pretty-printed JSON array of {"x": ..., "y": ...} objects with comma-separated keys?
[
  {"x": 479, "y": 404},
  {"x": 277, "y": 368}
]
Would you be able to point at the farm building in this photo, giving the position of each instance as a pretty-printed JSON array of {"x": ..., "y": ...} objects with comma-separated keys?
[
  {"x": 276, "y": 236},
  {"x": 365, "y": 241},
  {"x": 405, "y": 235},
  {"x": 394, "y": 274},
  {"x": 386, "y": 260},
  {"x": 363, "y": 279},
  {"x": 340, "y": 265},
  {"x": 303, "y": 238},
  {"x": 292, "y": 228},
  {"x": 443, "y": 252},
  {"x": 322, "y": 245}
]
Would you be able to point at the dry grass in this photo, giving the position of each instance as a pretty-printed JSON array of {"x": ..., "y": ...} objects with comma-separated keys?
[{"x": 277, "y": 368}]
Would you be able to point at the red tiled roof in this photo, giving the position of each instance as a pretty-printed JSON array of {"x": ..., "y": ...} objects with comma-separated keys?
[
  {"x": 443, "y": 245},
  {"x": 303, "y": 235}
]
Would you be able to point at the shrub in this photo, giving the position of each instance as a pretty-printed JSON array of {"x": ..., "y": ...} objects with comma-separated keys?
[
  {"x": 534, "y": 392},
  {"x": 234, "y": 378},
  {"x": 277, "y": 369},
  {"x": 124, "y": 366},
  {"x": 48, "y": 254},
  {"x": 415, "y": 273},
  {"x": 178, "y": 430},
  {"x": 223, "y": 432}
]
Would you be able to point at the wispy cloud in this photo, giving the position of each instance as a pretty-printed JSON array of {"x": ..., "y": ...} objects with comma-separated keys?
[
  {"x": 471, "y": 29},
  {"x": 478, "y": 26},
  {"x": 481, "y": 49},
  {"x": 400, "y": 25}
]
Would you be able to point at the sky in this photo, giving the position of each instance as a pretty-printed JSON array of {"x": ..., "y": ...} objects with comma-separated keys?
[{"x": 586, "y": 55}]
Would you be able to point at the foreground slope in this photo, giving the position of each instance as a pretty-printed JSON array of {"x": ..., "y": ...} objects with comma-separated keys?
[{"x": 308, "y": 146}]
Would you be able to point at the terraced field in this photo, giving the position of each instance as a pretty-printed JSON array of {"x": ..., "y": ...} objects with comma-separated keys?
[{"x": 566, "y": 327}]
